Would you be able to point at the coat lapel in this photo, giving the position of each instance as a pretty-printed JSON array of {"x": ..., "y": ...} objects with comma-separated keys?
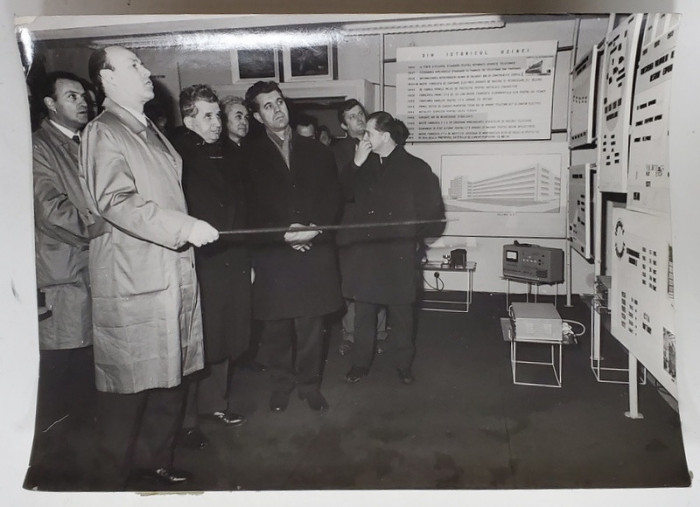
[{"x": 154, "y": 138}]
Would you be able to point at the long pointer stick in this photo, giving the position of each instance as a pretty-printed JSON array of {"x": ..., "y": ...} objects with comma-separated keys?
[{"x": 329, "y": 227}]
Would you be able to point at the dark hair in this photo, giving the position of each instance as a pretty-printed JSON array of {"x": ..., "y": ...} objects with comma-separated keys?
[
  {"x": 325, "y": 129},
  {"x": 192, "y": 94},
  {"x": 347, "y": 106},
  {"x": 96, "y": 63},
  {"x": 257, "y": 89},
  {"x": 49, "y": 88},
  {"x": 305, "y": 120},
  {"x": 386, "y": 123}
]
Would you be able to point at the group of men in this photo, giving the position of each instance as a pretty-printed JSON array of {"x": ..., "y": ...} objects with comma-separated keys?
[{"x": 119, "y": 208}]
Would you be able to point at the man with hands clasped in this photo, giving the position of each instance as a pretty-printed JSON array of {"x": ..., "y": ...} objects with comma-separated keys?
[{"x": 293, "y": 183}]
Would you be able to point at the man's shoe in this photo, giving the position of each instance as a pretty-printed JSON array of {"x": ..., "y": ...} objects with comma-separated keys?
[
  {"x": 279, "y": 401},
  {"x": 406, "y": 376},
  {"x": 228, "y": 418},
  {"x": 315, "y": 400},
  {"x": 356, "y": 373},
  {"x": 345, "y": 347},
  {"x": 192, "y": 438},
  {"x": 166, "y": 476}
]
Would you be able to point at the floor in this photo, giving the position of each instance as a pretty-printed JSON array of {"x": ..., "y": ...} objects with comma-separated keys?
[{"x": 462, "y": 425}]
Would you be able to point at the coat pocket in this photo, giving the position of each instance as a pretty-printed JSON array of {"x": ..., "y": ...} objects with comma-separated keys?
[{"x": 139, "y": 268}]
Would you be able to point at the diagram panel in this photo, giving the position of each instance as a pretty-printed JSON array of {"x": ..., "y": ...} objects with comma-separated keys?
[
  {"x": 581, "y": 206},
  {"x": 649, "y": 172},
  {"x": 583, "y": 104},
  {"x": 642, "y": 295},
  {"x": 614, "y": 111}
]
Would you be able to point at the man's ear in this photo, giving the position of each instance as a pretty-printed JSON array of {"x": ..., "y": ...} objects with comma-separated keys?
[
  {"x": 187, "y": 120},
  {"x": 257, "y": 116},
  {"x": 50, "y": 104},
  {"x": 105, "y": 76},
  {"x": 344, "y": 127}
]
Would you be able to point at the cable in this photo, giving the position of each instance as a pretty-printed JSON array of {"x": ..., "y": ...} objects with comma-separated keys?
[
  {"x": 583, "y": 328},
  {"x": 567, "y": 334},
  {"x": 439, "y": 284}
]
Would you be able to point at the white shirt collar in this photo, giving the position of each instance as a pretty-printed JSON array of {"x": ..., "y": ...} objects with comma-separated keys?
[
  {"x": 69, "y": 133},
  {"x": 138, "y": 115}
]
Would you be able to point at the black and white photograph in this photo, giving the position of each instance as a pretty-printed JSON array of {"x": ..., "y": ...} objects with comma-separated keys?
[
  {"x": 308, "y": 63},
  {"x": 251, "y": 65},
  {"x": 329, "y": 257}
]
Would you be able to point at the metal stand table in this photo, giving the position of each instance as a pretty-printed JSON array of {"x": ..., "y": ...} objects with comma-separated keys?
[{"x": 438, "y": 267}]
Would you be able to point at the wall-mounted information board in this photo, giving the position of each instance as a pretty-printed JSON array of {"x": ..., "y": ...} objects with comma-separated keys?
[{"x": 476, "y": 92}]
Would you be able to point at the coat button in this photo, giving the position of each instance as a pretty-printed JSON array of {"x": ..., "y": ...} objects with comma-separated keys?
[{"x": 370, "y": 212}]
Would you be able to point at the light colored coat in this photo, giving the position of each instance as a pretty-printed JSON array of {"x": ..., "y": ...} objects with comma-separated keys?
[
  {"x": 146, "y": 309},
  {"x": 63, "y": 226}
]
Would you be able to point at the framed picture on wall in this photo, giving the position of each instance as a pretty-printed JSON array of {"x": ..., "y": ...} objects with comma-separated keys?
[
  {"x": 308, "y": 63},
  {"x": 250, "y": 65}
]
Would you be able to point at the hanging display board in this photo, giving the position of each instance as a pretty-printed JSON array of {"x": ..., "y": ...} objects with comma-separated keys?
[
  {"x": 648, "y": 180},
  {"x": 616, "y": 105},
  {"x": 642, "y": 297},
  {"x": 582, "y": 108},
  {"x": 581, "y": 205},
  {"x": 476, "y": 92}
]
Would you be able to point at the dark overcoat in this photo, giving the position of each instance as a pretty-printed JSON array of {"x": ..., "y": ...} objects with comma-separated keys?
[
  {"x": 289, "y": 283},
  {"x": 213, "y": 185},
  {"x": 379, "y": 265}
]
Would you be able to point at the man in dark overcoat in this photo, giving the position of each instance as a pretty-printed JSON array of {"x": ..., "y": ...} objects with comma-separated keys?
[
  {"x": 352, "y": 117},
  {"x": 292, "y": 182},
  {"x": 379, "y": 265},
  {"x": 213, "y": 185}
]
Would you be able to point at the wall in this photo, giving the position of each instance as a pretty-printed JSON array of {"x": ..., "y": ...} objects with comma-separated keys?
[
  {"x": 359, "y": 58},
  {"x": 487, "y": 251}
]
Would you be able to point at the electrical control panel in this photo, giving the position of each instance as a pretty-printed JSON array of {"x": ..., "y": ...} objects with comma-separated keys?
[
  {"x": 582, "y": 109},
  {"x": 614, "y": 110},
  {"x": 642, "y": 295},
  {"x": 648, "y": 175},
  {"x": 533, "y": 263},
  {"x": 581, "y": 206}
]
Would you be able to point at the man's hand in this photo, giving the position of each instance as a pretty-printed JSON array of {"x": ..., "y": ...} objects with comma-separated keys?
[
  {"x": 362, "y": 151},
  {"x": 300, "y": 240},
  {"x": 202, "y": 233}
]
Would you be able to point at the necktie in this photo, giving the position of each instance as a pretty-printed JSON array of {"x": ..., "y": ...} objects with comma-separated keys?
[{"x": 76, "y": 139}]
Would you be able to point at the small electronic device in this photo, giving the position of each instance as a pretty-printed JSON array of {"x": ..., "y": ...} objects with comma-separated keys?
[
  {"x": 536, "y": 322},
  {"x": 533, "y": 263},
  {"x": 458, "y": 258}
]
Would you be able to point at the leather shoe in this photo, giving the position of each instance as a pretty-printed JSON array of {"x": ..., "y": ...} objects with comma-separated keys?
[
  {"x": 356, "y": 373},
  {"x": 315, "y": 400},
  {"x": 166, "y": 476},
  {"x": 406, "y": 376},
  {"x": 279, "y": 401},
  {"x": 228, "y": 418},
  {"x": 192, "y": 438}
]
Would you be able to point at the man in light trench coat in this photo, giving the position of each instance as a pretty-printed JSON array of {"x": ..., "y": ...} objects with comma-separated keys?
[{"x": 146, "y": 311}]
